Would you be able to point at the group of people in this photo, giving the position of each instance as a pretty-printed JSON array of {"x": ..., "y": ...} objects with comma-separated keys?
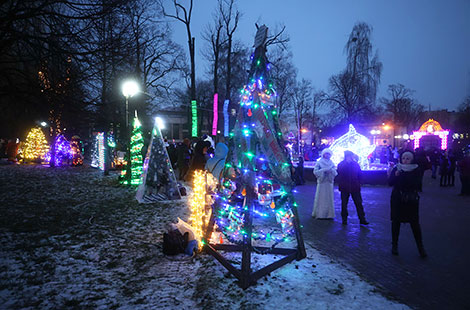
[
  {"x": 349, "y": 173},
  {"x": 187, "y": 157},
  {"x": 405, "y": 177}
]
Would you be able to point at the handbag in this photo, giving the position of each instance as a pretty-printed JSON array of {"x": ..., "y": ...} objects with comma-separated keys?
[{"x": 409, "y": 197}]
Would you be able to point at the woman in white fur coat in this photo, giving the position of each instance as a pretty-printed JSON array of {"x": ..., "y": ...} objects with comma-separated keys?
[{"x": 325, "y": 171}]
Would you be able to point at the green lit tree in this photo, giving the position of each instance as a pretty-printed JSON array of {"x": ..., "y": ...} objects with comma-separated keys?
[{"x": 137, "y": 143}]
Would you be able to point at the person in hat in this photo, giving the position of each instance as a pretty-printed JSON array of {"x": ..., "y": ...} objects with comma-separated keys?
[
  {"x": 404, "y": 202},
  {"x": 349, "y": 173},
  {"x": 325, "y": 172}
]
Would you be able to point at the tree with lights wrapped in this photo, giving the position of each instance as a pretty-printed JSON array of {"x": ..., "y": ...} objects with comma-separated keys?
[
  {"x": 254, "y": 206},
  {"x": 137, "y": 143},
  {"x": 158, "y": 178},
  {"x": 36, "y": 147}
]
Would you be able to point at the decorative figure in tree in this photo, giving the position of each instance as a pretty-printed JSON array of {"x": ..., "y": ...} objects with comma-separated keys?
[
  {"x": 36, "y": 146},
  {"x": 76, "y": 150},
  {"x": 137, "y": 143},
  {"x": 256, "y": 189},
  {"x": 158, "y": 178}
]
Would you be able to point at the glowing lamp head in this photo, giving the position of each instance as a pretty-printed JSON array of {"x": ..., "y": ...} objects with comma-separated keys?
[
  {"x": 130, "y": 88},
  {"x": 43, "y": 124},
  {"x": 160, "y": 123}
]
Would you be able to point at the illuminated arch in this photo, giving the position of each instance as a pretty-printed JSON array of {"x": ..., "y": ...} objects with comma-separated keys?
[{"x": 431, "y": 127}]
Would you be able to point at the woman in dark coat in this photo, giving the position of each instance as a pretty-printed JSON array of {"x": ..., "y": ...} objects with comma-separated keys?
[{"x": 405, "y": 179}]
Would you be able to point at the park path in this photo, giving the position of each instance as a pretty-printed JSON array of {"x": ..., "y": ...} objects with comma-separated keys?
[{"x": 441, "y": 281}]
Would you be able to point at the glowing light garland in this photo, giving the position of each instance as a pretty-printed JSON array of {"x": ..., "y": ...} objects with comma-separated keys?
[
  {"x": 216, "y": 114},
  {"x": 36, "y": 146},
  {"x": 226, "y": 118},
  {"x": 197, "y": 205},
  {"x": 62, "y": 151},
  {"x": 77, "y": 157},
  {"x": 137, "y": 143},
  {"x": 194, "y": 129},
  {"x": 97, "y": 159},
  {"x": 354, "y": 142},
  {"x": 431, "y": 127}
]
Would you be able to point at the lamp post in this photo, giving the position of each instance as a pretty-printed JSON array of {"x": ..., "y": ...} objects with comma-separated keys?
[{"x": 129, "y": 89}]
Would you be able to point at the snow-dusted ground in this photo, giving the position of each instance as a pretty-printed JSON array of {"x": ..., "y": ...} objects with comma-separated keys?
[{"x": 71, "y": 238}]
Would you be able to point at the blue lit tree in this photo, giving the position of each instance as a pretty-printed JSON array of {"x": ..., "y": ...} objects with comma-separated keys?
[{"x": 254, "y": 207}]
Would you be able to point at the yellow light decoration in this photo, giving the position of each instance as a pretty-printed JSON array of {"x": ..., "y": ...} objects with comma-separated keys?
[
  {"x": 197, "y": 204},
  {"x": 36, "y": 145}
]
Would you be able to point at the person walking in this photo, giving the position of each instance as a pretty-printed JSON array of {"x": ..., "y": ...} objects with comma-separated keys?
[
  {"x": 434, "y": 157},
  {"x": 464, "y": 170},
  {"x": 452, "y": 167},
  {"x": 325, "y": 172},
  {"x": 299, "y": 172},
  {"x": 404, "y": 201},
  {"x": 444, "y": 169},
  {"x": 349, "y": 173}
]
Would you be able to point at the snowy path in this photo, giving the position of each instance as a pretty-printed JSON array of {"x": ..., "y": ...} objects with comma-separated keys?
[{"x": 73, "y": 239}]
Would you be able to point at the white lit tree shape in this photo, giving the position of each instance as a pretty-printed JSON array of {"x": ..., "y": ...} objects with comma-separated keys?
[
  {"x": 158, "y": 178},
  {"x": 254, "y": 207},
  {"x": 354, "y": 142}
]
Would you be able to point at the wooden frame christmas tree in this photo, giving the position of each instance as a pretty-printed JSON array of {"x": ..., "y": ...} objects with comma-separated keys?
[{"x": 257, "y": 183}]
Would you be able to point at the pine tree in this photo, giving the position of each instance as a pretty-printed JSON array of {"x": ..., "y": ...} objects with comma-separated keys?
[{"x": 137, "y": 143}]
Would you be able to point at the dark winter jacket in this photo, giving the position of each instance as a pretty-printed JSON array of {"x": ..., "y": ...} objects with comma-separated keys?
[
  {"x": 406, "y": 183},
  {"x": 444, "y": 165},
  {"x": 349, "y": 176}
]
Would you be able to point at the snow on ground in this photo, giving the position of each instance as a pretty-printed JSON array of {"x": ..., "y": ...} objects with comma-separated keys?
[{"x": 71, "y": 238}]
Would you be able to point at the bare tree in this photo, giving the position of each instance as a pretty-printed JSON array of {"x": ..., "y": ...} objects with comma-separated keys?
[
  {"x": 214, "y": 36},
  {"x": 401, "y": 106},
  {"x": 302, "y": 104},
  {"x": 463, "y": 118},
  {"x": 230, "y": 18},
  {"x": 183, "y": 14},
  {"x": 354, "y": 90},
  {"x": 284, "y": 76}
]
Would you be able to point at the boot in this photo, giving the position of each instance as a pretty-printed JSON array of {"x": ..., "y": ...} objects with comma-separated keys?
[
  {"x": 395, "y": 249},
  {"x": 422, "y": 252}
]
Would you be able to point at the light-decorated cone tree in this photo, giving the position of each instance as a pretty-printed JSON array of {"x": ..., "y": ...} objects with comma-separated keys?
[
  {"x": 97, "y": 153},
  {"x": 137, "y": 143},
  {"x": 254, "y": 208},
  {"x": 158, "y": 178},
  {"x": 36, "y": 147}
]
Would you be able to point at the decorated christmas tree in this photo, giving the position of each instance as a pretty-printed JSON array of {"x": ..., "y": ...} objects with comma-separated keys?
[
  {"x": 158, "y": 178},
  {"x": 254, "y": 207},
  {"x": 36, "y": 146},
  {"x": 63, "y": 152},
  {"x": 137, "y": 143}
]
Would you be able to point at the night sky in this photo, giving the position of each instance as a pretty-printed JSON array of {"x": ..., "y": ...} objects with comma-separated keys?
[{"x": 423, "y": 44}]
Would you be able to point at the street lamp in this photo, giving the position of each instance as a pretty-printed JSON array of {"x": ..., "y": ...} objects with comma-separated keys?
[
  {"x": 43, "y": 124},
  {"x": 129, "y": 89},
  {"x": 160, "y": 122}
]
